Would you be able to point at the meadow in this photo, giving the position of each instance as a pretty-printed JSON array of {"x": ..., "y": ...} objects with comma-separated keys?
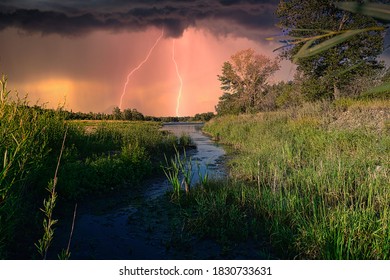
[
  {"x": 309, "y": 182},
  {"x": 313, "y": 182},
  {"x": 97, "y": 158}
]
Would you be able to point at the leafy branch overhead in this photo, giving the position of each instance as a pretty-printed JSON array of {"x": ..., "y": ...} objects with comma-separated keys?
[
  {"x": 332, "y": 43},
  {"x": 380, "y": 12},
  {"x": 310, "y": 48}
]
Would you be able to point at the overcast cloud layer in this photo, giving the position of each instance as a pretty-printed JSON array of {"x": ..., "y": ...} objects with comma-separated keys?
[{"x": 78, "y": 17}]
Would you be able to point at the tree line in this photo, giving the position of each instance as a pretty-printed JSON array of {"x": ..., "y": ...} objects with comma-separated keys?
[{"x": 125, "y": 115}]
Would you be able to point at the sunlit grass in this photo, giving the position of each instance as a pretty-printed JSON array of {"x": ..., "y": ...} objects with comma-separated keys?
[{"x": 322, "y": 193}]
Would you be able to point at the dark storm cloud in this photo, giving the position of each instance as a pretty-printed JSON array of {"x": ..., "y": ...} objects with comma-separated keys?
[{"x": 78, "y": 17}]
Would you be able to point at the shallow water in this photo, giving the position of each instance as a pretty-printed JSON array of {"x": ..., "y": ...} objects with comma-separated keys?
[
  {"x": 138, "y": 224},
  {"x": 207, "y": 158}
]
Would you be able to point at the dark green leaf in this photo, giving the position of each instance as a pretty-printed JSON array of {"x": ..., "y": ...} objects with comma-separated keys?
[
  {"x": 327, "y": 44},
  {"x": 302, "y": 51},
  {"x": 375, "y": 10}
]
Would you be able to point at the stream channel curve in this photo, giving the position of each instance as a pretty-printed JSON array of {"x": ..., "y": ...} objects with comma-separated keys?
[{"x": 138, "y": 224}]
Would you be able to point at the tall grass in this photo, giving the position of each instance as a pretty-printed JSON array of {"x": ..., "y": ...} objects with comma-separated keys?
[
  {"x": 172, "y": 172},
  {"x": 27, "y": 138},
  {"x": 44, "y": 243},
  {"x": 322, "y": 193},
  {"x": 179, "y": 172},
  {"x": 98, "y": 158},
  {"x": 107, "y": 154}
]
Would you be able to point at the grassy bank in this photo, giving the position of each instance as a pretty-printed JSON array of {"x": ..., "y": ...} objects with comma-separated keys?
[
  {"x": 105, "y": 155},
  {"x": 318, "y": 188},
  {"x": 98, "y": 158}
]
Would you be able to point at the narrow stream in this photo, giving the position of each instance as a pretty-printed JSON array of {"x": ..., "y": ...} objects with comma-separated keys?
[
  {"x": 138, "y": 224},
  {"x": 206, "y": 158}
]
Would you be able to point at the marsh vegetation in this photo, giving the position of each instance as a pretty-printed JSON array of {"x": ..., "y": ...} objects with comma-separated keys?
[
  {"x": 320, "y": 190},
  {"x": 310, "y": 182},
  {"x": 308, "y": 160},
  {"x": 98, "y": 158}
]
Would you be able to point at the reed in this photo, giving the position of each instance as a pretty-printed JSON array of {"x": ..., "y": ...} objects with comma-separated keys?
[
  {"x": 179, "y": 172},
  {"x": 172, "y": 172},
  {"x": 202, "y": 177},
  {"x": 49, "y": 204}
]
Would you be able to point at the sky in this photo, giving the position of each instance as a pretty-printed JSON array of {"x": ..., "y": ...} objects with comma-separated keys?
[{"x": 78, "y": 54}]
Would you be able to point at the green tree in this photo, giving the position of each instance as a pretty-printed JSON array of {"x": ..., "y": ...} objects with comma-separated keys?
[
  {"x": 243, "y": 81},
  {"x": 127, "y": 114},
  {"x": 328, "y": 73},
  {"x": 116, "y": 112},
  {"x": 285, "y": 94},
  {"x": 204, "y": 117},
  {"x": 137, "y": 116},
  {"x": 229, "y": 104}
]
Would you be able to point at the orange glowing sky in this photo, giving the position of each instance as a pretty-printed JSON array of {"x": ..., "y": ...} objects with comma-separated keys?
[{"x": 87, "y": 73}]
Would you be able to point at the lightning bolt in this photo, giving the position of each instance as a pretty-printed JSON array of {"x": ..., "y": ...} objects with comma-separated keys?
[
  {"x": 180, "y": 79},
  {"x": 138, "y": 67}
]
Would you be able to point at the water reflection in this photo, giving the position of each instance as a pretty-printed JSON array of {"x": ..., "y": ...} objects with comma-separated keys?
[
  {"x": 206, "y": 158},
  {"x": 136, "y": 225}
]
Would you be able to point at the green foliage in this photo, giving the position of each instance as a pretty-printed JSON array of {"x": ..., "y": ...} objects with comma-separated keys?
[
  {"x": 321, "y": 192},
  {"x": 308, "y": 49},
  {"x": 284, "y": 95},
  {"x": 185, "y": 165},
  {"x": 132, "y": 115},
  {"x": 116, "y": 112},
  {"x": 49, "y": 204},
  {"x": 110, "y": 154},
  {"x": 172, "y": 172},
  {"x": 127, "y": 114},
  {"x": 28, "y": 135},
  {"x": 179, "y": 172},
  {"x": 203, "y": 178},
  {"x": 244, "y": 81},
  {"x": 228, "y": 105},
  {"x": 381, "y": 91},
  {"x": 315, "y": 89},
  {"x": 378, "y": 11},
  {"x": 223, "y": 212},
  {"x": 48, "y": 222},
  {"x": 185, "y": 140},
  {"x": 204, "y": 117},
  {"x": 99, "y": 157},
  {"x": 330, "y": 46}
]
